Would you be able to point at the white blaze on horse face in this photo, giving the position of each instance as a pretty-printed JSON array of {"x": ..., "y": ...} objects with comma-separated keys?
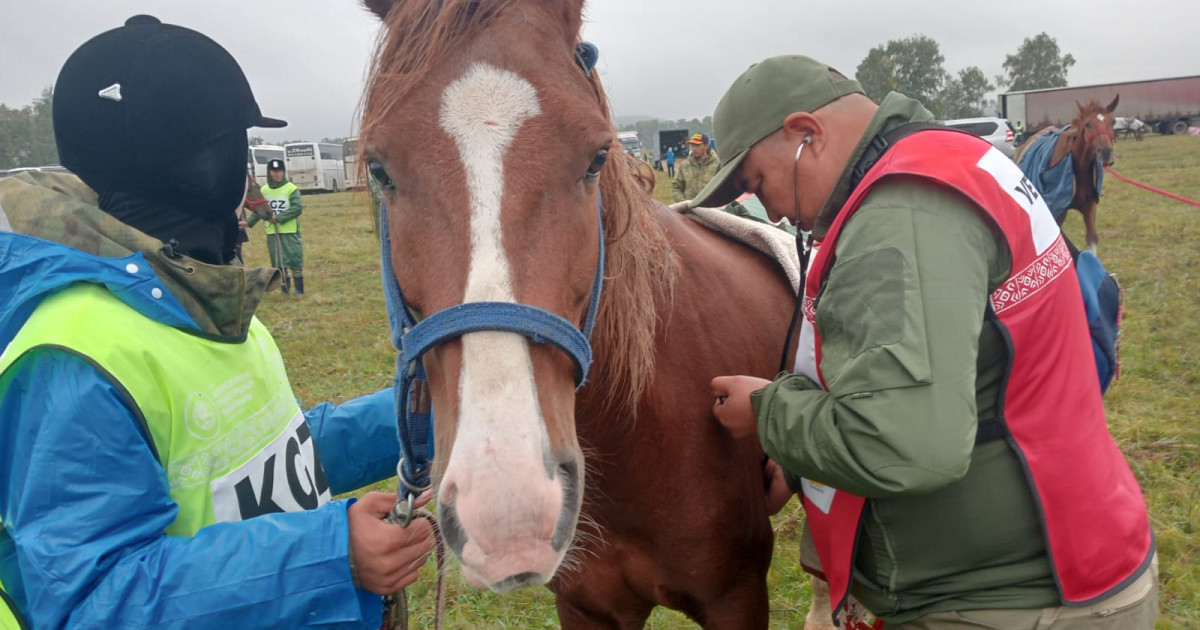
[
  {"x": 482, "y": 111},
  {"x": 500, "y": 465}
]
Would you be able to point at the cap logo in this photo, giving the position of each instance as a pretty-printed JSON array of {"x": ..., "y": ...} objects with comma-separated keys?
[{"x": 112, "y": 92}]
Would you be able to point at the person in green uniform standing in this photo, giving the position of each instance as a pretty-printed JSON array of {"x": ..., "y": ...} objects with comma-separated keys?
[
  {"x": 693, "y": 173},
  {"x": 942, "y": 421},
  {"x": 284, "y": 242}
]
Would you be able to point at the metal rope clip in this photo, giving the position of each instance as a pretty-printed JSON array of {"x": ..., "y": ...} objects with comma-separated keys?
[{"x": 402, "y": 512}]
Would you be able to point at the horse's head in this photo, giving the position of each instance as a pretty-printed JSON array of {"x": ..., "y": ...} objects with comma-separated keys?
[
  {"x": 488, "y": 138},
  {"x": 254, "y": 200},
  {"x": 1096, "y": 124}
]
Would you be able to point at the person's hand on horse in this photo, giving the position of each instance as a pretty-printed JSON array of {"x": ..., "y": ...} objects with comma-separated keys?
[
  {"x": 732, "y": 407},
  {"x": 778, "y": 490},
  {"x": 386, "y": 556}
]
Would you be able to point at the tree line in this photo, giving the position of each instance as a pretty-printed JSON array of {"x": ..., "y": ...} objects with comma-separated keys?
[
  {"x": 27, "y": 134},
  {"x": 648, "y": 129},
  {"x": 915, "y": 67}
]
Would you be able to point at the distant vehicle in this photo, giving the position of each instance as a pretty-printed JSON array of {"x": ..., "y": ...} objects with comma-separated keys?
[
  {"x": 672, "y": 139},
  {"x": 994, "y": 130},
  {"x": 257, "y": 157},
  {"x": 353, "y": 174},
  {"x": 315, "y": 166},
  {"x": 1168, "y": 105},
  {"x": 630, "y": 142}
]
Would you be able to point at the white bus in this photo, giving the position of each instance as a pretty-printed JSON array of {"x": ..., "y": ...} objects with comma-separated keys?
[
  {"x": 315, "y": 166},
  {"x": 257, "y": 157},
  {"x": 350, "y": 157}
]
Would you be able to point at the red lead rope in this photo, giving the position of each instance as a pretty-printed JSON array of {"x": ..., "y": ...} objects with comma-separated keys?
[{"x": 1151, "y": 188}]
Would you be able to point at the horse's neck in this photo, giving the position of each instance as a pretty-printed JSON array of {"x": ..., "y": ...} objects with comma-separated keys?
[
  {"x": 639, "y": 277},
  {"x": 1066, "y": 144}
]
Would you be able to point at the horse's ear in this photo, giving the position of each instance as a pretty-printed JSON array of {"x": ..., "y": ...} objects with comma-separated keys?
[
  {"x": 1113, "y": 105},
  {"x": 572, "y": 16},
  {"x": 380, "y": 7},
  {"x": 1078, "y": 106}
]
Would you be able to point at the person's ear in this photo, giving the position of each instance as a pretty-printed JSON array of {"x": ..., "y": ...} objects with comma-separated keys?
[{"x": 803, "y": 128}]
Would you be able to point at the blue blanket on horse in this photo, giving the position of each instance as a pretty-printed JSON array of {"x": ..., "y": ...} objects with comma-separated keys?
[{"x": 1056, "y": 183}]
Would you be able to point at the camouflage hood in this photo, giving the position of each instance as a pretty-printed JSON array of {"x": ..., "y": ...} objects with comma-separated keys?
[{"x": 60, "y": 209}]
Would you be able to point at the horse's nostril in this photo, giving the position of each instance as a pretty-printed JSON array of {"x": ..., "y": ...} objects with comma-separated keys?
[
  {"x": 568, "y": 476},
  {"x": 452, "y": 532}
]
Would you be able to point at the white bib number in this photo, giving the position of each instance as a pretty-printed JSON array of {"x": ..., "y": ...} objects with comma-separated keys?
[{"x": 285, "y": 476}]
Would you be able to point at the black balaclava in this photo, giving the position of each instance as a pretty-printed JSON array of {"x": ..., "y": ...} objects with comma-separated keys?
[
  {"x": 153, "y": 117},
  {"x": 192, "y": 203}
]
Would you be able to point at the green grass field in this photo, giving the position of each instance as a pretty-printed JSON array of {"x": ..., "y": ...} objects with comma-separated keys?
[{"x": 336, "y": 345}]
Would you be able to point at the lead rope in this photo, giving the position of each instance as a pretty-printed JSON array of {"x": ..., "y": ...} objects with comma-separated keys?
[{"x": 395, "y": 606}]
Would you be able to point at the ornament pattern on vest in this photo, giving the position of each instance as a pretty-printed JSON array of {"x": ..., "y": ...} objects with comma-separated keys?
[{"x": 1033, "y": 278}]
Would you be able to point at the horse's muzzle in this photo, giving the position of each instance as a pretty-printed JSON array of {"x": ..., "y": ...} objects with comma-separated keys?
[{"x": 510, "y": 532}]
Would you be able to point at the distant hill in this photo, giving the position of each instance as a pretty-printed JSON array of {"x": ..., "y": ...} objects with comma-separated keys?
[{"x": 631, "y": 119}]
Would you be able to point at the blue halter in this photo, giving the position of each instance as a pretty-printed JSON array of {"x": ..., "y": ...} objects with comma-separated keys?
[{"x": 414, "y": 412}]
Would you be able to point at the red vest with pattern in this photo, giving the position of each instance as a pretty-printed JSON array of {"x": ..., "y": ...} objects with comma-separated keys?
[{"x": 1092, "y": 510}]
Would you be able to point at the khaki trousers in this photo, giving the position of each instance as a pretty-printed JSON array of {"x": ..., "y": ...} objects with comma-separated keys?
[{"x": 1133, "y": 608}]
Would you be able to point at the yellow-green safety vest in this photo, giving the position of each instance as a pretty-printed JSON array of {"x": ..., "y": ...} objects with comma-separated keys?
[
  {"x": 221, "y": 415},
  {"x": 278, "y": 200}
]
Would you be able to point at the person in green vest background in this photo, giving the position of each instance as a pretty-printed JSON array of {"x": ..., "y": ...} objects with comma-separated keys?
[
  {"x": 156, "y": 470},
  {"x": 284, "y": 242}
]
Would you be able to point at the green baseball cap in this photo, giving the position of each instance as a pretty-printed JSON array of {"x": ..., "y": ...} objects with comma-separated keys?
[{"x": 756, "y": 105}]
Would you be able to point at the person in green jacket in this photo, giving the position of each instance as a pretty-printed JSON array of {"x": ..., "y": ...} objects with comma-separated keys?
[
  {"x": 283, "y": 232},
  {"x": 692, "y": 174},
  {"x": 951, "y": 536}
]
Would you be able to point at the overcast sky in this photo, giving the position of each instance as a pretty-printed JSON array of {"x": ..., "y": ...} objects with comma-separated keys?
[{"x": 666, "y": 58}]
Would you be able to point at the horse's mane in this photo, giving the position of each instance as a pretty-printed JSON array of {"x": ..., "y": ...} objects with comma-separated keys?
[
  {"x": 639, "y": 278},
  {"x": 641, "y": 266},
  {"x": 415, "y": 37},
  {"x": 1091, "y": 108}
]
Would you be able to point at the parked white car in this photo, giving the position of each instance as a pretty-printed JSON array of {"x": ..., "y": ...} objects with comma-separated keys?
[{"x": 994, "y": 130}]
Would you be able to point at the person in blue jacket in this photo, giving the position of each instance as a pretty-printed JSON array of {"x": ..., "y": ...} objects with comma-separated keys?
[{"x": 155, "y": 468}]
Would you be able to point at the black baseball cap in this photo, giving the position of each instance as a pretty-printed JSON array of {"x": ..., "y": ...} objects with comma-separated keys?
[
  {"x": 136, "y": 96},
  {"x": 275, "y": 165}
]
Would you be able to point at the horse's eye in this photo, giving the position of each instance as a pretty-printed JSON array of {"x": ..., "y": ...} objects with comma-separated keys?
[
  {"x": 379, "y": 173},
  {"x": 597, "y": 164}
]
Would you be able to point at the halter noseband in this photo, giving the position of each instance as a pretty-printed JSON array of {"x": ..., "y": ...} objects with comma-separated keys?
[
  {"x": 1102, "y": 131},
  {"x": 414, "y": 410}
]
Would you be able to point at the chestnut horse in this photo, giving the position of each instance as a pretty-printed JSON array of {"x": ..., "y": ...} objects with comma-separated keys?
[
  {"x": 494, "y": 146},
  {"x": 1089, "y": 138},
  {"x": 254, "y": 202}
]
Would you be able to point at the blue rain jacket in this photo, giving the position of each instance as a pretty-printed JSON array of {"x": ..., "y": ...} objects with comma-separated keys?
[{"x": 88, "y": 501}]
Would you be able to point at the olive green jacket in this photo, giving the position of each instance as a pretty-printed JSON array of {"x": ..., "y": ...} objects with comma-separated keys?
[
  {"x": 691, "y": 175},
  {"x": 911, "y": 369},
  {"x": 59, "y": 207}
]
